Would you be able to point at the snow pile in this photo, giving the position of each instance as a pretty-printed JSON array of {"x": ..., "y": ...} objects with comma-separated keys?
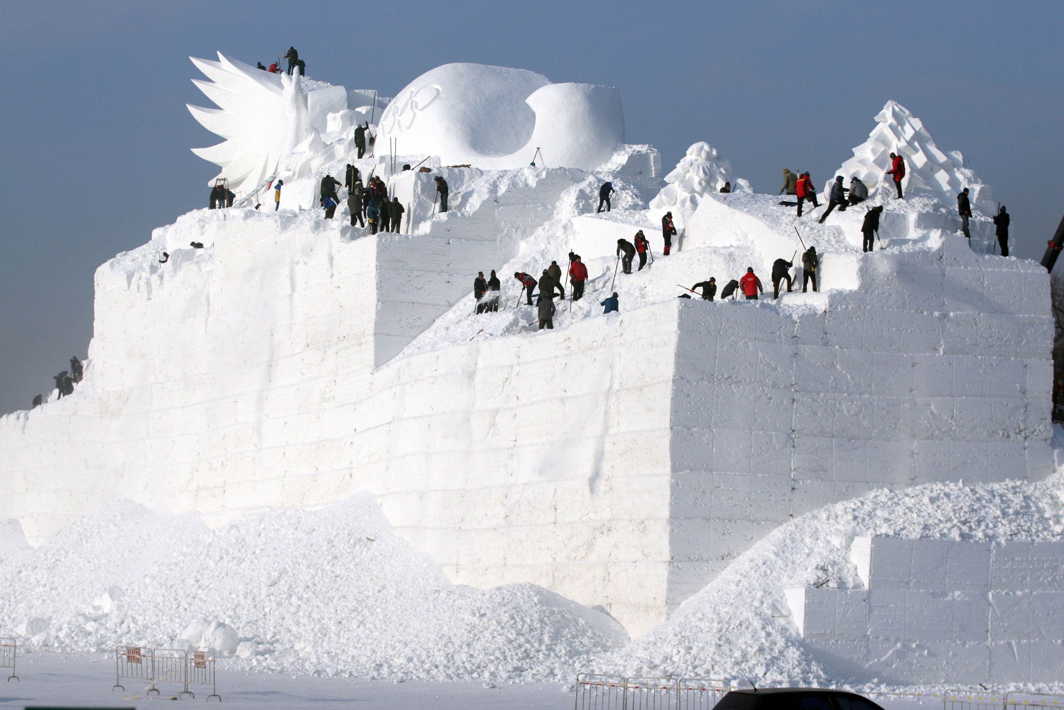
[
  {"x": 330, "y": 592},
  {"x": 496, "y": 117},
  {"x": 929, "y": 171},
  {"x": 700, "y": 172},
  {"x": 739, "y": 626}
]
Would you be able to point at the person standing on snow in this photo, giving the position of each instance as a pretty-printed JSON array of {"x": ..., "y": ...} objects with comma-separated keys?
[
  {"x": 546, "y": 313},
  {"x": 547, "y": 286},
  {"x": 611, "y": 304},
  {"x": 709, "y": 288},
  {"x": 805, "y": 191},
  {"x": 897, "y": 171},
  {"x": 1001, "y": 227},
  {"x": 790, "y": 181},
  {"x": 577, "y": 276},
  {"x": 604, "y": 196},
  {"x": 750, "y": 284},
  {"x": 277, "y": 194},
  {"x": 442, "y": 190},
  {"x": 726, "y": 188},
  {"x": 329, "y": 203},
  {"x": 781, "y": 270},
  {"x": 354, "y": 204},
  {"x": 493, "y": 288},
  {"x": 641, "y": 247},
  {"x": 360, "y": 138},
  {"x": 351, "y": 176},
  {"x": 858, "y": 191},
  {"x": 77, "y": 370},
  {"x": 668, "y": 229},
  {"x": 373, "y": 213},
  {"x": 328, "y": 188},
  {"x": 555, "y": 272},
  {"x": 395, "y": 214},
  {"x": 528, "y": 282},
  {"x": 626, "y": 251},
  {"x": 964, "y": 209},
  {"x": 810, "y": 267},
  {"x": 293, "y": 58},
  {"x": 480, "y": 287},
  {"x": 869, "y": 230}
]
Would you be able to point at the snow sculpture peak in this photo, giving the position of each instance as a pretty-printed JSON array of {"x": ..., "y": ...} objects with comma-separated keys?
[
  {"x": 700, "y": 172},
  {"x": 930, "y": 172},
  {"x": 263, "y": 117},
  {"x": 495, "y": 118}
]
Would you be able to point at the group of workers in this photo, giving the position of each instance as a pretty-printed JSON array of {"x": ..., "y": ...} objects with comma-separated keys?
[{"x": 64, "y": 381}]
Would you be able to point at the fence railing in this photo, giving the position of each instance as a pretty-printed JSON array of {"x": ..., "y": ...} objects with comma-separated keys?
[
  {"x": 166, "y": 665},
  {"x": 603, "y": 692},
  {"x": 9, "y": 656}
]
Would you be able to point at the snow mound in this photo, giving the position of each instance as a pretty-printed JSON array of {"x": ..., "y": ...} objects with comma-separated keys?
[
  {"x": 929, "y": 170},
  {"x": 496, "y": 117},
  {"x": 738, "y": 626},
  {"x": 700, "y": 172},
  {"x": 329, "y": 592}
]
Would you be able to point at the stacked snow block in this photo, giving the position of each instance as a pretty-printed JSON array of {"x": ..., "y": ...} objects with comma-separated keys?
[
  {"x": 937, "y": 611},
  {"x": 932, "y": 370}
]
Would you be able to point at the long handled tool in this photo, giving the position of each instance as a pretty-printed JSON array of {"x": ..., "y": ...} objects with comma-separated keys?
[
  {"x": 800, "y": 238},
  {"x": 615, "y": 266}
]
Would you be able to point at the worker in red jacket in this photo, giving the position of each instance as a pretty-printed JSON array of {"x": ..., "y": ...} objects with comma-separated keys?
[
  {"x": 897, "y": 171},
  {"x": 641, "y": 246},
  {"x": 528, "y": 282},
  {"x": 750, "y": 284},
  {"x": 805, "y": 191},
  {"x": 577, "y": 275}
]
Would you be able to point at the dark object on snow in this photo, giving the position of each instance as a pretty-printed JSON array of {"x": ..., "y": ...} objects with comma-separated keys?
[
  {"x": 196, "y": 245},
  {"x": 547, "y": 286},
  {"x": 668, "y": 230},
  {"x": 64, "y": 384},
  {"x": 328, "y": 189},
  {"x": 1049, "y": 259},
  {"x": 546, "y": 313},
  {"x": 555, "y": 272},
  {"x": 709, "y": 289},
  {"x": 788, "y": 698},
  {"x": 604, "y": 196},
  {"x": 360, "y": 138},
  {"x": 577, "y": 275},
  {"x": 38, "y": 400},
  {"x": 897, "y": 171},
  {"x": 611, "y": 304},
  {"x": 395, "y": 213},
  {"x": 351, "y": 176},
  {"x": 836, "y": 198},
  {"x": 789, "y": 181},
  {"x": 77, "y": 370},
  {"x": 729, "y": 289},
  {"x": 442, "y": 190},
  {"x": 869, "y": 228},
  {"x": 480, "y": 287},
  {"x": 781, "y": 269},
  {"x": 810, "y": 269},
  {"x": 293, "y": 58},
  {"x": 964, "y": 209},
  {"x": 726, "y": 188},
  {"x": 1001, "y": 228},
  {"x": 805, "y": 191},
  {"x": 626, "y": 251},
  {"x": 164, "y": 258}
]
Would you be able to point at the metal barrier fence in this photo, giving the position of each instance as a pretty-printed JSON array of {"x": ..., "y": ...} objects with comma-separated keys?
[
  {"x": 166, "y": 665},
  {"x": 1012, "y": 700},
  {"x": 8, "y": 656},
  {"x": 602, "y": 692}
]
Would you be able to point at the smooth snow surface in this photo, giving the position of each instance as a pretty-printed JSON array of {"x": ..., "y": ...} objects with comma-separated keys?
[
  {"x": 496, "y": 117},
  {"x": 326, "y": 592}
]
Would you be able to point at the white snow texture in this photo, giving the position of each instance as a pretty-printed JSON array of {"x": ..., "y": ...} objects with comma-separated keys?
[{"x": 237, "y": 394}]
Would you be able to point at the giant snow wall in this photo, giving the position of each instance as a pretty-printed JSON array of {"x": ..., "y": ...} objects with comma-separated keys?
[{"x": 621, "y": 461}]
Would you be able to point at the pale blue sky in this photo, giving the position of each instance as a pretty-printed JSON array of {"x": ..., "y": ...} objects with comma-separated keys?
[{"x": 95, "y": 136}]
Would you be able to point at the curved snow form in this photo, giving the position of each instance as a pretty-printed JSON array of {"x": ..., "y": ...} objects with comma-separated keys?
[
  {"x": 700, "y": 172},
  {"x": 332, "y": 592},
  {"x": 738, "y": 626},
  {"x": 929, "y": 170},
  {"x": 495, "y": 117},
  {"x": 263, "y": 118}
]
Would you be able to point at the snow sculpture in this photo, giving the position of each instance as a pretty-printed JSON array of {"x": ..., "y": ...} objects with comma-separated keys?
[
  {"x": 495, "y": 118},
  {"x": 263, "y": 117},
  {"x": 700, "y": 172},
  {"x": 929, "y": 171}
]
